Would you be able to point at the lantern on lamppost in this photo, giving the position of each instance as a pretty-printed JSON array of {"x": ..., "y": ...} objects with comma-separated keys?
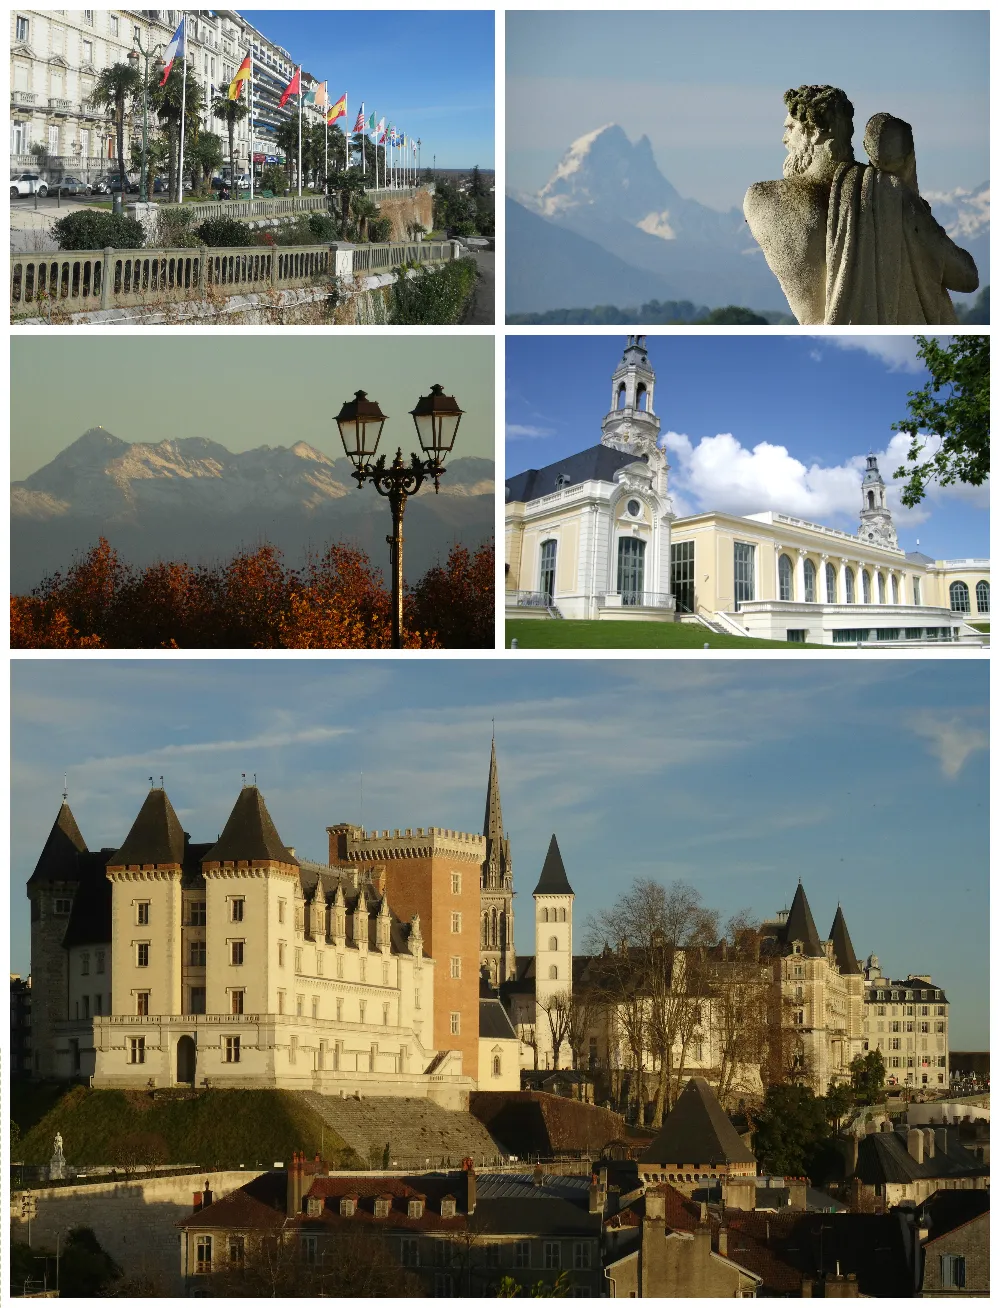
[{"x": 436, "y": 418}]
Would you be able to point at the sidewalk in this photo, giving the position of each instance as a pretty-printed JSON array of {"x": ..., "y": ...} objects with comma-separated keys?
[{"x": 31, "y": 228}]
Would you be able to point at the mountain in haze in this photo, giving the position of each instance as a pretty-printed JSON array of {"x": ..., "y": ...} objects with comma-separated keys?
[
  {"x": 193, "y": 499},
  {"x": 611, "y": 192}
]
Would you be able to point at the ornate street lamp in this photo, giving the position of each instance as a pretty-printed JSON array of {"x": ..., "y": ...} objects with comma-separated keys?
[
  {"x": 436, "y": 418},
  {"x": 133, "y": 58}
]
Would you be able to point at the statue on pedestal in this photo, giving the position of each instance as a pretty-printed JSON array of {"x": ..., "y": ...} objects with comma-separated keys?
[
  {"x": 57, "y": 1163},
  {"x": 852, "y": 242}
]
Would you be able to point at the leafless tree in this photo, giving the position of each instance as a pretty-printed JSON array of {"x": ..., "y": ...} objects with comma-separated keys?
[
  {"x": 558, "y": 1008},
  {"x": 740, "y": 982},
  {"x": 349, "y": 1264}
]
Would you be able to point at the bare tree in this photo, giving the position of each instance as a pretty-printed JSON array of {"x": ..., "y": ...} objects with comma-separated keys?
[
  {"x": 739, "y": 983},
  {"x": 356, "y": 1264},
  {"x": 557, "y": 1008}
]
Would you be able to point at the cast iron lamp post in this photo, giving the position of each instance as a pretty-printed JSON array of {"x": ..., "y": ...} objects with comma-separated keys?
[
  {"x": 436, "y": 418},
  {"x": 133, "y": 58}
]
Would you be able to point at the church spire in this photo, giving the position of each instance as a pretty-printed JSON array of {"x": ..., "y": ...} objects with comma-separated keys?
[
  {"x": 496, "y": 863},
  {"x": 876, "y": 527},
  {"x": 631, "y": 425}
]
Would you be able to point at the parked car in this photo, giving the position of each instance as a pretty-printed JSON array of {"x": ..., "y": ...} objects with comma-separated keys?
[
  {"x": 159, "y": 184},
  {"x": 71, "y": 186},
  {"x": 28, "y": 184},
  {"x": 110, "y": 183}
]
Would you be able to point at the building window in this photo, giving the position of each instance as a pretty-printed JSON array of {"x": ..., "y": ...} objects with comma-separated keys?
[
  {"x": 522, "y": 1253},
  {"x": 364, "y": 968},
  {"x": 547, "y": 570},
  {"x": 281, "y": 910},
  {"x": 61, "y": 907},
  {"x": 551, "y": 1256},
  {"x": 293, "y": 1048},
  {"x": 982, "y": 596},
  {"x": 88, "y": 17},
  {"x": 142, "y": 913},
  {"x": 895, "y": 590},
  {"x": 795, "y": 635},
  {"x": 137, "y": 1049},
  {"x": 497, "y": 1067},
  {"x": 456, "y": 1024},
  {"x": 142, "y": 1003},
  {"x": 456, "y": 967},
  {"x": 315, "y": 1007},
  {"x": 409, "y": 1248},
  {"x": 866, "y": 587},
  {"x": 743, "y": 572},
  {"x": 21, "y": 28},
  {"x": 553, "y": 942},
  {"x": 281, "y": 1001},
  {"x": 197, "y": 999},
  {"x": 85, "y": 965},
  {"x": 493, "y": 1255},
  {"x": 203, "y": 1254},
  {"x": 298, "y": 1005},
  {"x": 340, "y": 1010},
  {"x": 236, "y": 953},
  {"x": 631, "y": 569},
  {"x": 959, "y": 593},
  {"x": 298, "y": 960},
  {"x": 456, "y": 883},
  {"x": 952, "y": 1272},
  {"x": 88, "y": 52},
  {"x": 916, "y": 590},
  {"x": 232, "y": 1049},
  {"x": 581, "y": 1256},
  {"x": 848, "y": 585},
  {"x": 385, "y": 1014},
  {"x": 881, "y": 588},
  {"x": 237, "y": 910},
  {"x": 362, "y": 1005},
  {"x": 809, "y": 580},
  {"x": 682, "y": 575},
  {"x": 237, "y": 1250},
  {"x": 281, "y": 953},
  {"x": 340, "y": 967},
  {"x": 142, "y": 954},
  {"x": 237, "y": 1000},
  {"x": 456, "y": 923},
  {"x": 443, "y": 1285},
  {"x": 197, "y": 954},
  {"x": 114, "y": 25},
  {"x": 198, "y": 917}
]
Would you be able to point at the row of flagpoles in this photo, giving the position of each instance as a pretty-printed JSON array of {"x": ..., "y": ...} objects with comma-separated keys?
[{"x": 400, "y": 153}]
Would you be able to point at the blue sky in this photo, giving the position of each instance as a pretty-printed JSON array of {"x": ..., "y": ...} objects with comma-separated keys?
[
  {"x": 429, "y": 71},
  {"x": 824, "y": 400},
  {"x": 643, "y": 768},
  {"x": 706, "y": 88}
]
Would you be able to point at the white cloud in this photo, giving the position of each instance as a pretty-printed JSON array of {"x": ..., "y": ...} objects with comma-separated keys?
[
  {"x": 517, "y": 431},
  {"x": 951, "y": 740},
  {"x": 265, "y": 740},
  {"x": 898, "y": 353}
]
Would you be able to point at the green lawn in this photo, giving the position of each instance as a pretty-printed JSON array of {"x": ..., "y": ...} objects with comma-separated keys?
[
  {"x": 566, "y": 634},
  {"x": 981, "y": 626}
]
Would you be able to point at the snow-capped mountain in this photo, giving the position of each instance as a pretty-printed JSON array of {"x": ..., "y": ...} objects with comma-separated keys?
[{"x": 192, "y": 498}]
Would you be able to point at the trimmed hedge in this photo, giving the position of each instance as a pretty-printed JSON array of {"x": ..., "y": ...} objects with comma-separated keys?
[
  {"x": 435, "y": 295},
  {"x": 215, "y": 232},
  {"x": 94, "y": 229}
]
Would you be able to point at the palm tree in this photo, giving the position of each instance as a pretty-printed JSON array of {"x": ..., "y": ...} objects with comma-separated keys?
[
  {"x": 166, "y": 104},
  {"x": 115, "y": 92},
  {"x": 232, "y": 112}
]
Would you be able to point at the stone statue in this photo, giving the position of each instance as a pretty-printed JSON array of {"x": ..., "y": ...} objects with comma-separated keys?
[
  {"x": 57, "y": 1163},
  {"x": 851, "y": 242}
]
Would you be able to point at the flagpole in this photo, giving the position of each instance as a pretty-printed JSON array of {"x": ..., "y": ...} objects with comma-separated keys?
[
  {"x": 250, "y": 120},
  {"x": 180, "y": 160},
  {"x": 300, "y": 129},
  {"x": 364, "y": 168}
]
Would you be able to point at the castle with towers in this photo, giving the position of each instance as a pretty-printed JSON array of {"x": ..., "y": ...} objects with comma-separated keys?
[
  {"x": 595, "y": 536},
  {"x": 390, "y": 969}
]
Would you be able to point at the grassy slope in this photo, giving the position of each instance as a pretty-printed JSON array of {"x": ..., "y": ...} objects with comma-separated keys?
[
  {"x": 218, "y": 1127},
  {"x": 536, "y": 634}
]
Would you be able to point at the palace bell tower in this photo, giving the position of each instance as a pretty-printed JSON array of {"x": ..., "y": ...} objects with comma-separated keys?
[
  {"x": 631, "y": 425},
  {"x": 876, "y": 521}
]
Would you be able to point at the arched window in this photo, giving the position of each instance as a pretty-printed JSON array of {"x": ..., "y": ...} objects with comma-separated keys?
[
  {"x": 545, "y": 914},
  {"x": 631, "y": 568},
  {"x": 496, "y": 1064},
  {"x": 621, "y": 397},
  {"x": 553, "y": 942},
  {"x": 982, "y": 596},
  {"x": 959, "y": 592},
  {"x": 553, "y": 973},
  {"x": 547, "y": 570},
  {"x": 784, "y": 577},
  {"x": 871, "y": 499},
  {"x": 916, "y": 590},
  {"x": 866, "y": 587},
  {"x": 809, "y": 579},
  {"x": 881, "y": 587},
  {"x": 486, "y": 930},
  {"x": 831, "y": 584},
  {"x": 640, "y": 397},
  {"x": 562, "y": 915},
  {"x": 895, "y": 590},
  {"x": 849, "y": 585}
]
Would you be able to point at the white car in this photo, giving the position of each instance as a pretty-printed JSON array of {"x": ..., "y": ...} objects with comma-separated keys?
[{"x": 28, "y": 184}]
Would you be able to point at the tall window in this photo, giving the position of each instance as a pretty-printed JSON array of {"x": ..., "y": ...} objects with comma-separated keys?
[
  {"x": 142, "y": 1003},
  {"x": 983, "y": 596},
  {"x": 522, "y": 1253},
  {"x": 232, "y": 1049},
  {"x": 85, "y": 965},
  {"x": 456, "y": 923},
  {"x": 236, "y": 953},
  {"x": 456, "y": 1023},
  {"x": 197, "y": 953},
  {"x": 553, "y": 973},
  {"x": 198, "y": 917},
  {"x": 456, "y": 883},
  {"x": 203, "y": 1254},
  {"x": 456, "y": 967},
  {"x": 952, "y": 1271},
  {"x": 142, "y": 913},
  {"x": 784, "y": 577},
  {"x": 866, "y": 587},
  {"x": 197, "y": 999},
  {"x": 682, "y": 575},
  {"x": 809, "y": 580},
  {"x": 137, "y": 1049},
  {"x": 743, "y": 571},
  {"x": 142, "y": 954},
  {"x": 881, "y": 588},
  {"x": 959, "y": 592},
  {"x": 237, "y": 1000},
  {"x": 547, "y": 573},
  {"x": 100, "y": 961},
  {"x": 895, "y": 590},
  {"x": 237, "y": 910},
  {"x": 551, "y": 1255},
  {"x": 114, "y": 25},
  {"x": 631, "y": 567},
  {"x": 848, "y": 585},
  {"x": 831, "y": 583},
  {"x": 21, "y": 28},
  {"x": 496, "y": 1065}
]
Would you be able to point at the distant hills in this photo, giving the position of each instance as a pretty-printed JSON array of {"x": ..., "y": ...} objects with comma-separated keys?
[
  {"x": 609, "y": 229},
  {"x": 193, "y": 499}
]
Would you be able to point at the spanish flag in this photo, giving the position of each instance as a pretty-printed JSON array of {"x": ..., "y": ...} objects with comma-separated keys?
[
  {"x": 338, "y": 110},
  {"x": 242, "y": 75}
]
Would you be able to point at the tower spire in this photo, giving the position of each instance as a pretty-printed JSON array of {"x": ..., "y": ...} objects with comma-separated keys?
[
  {"x": 876, "y": 526},
  {"x": 495, "y": 865}
]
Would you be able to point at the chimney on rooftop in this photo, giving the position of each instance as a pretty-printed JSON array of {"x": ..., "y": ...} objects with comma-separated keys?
[
  {"x": 723, "y": 1242},
  {"x": 537, "y": 1176},
  {"x": 928, "y": 1142},
  {"x": 295, "y": 1185},
  {"x": 915, "y": 1144},
  {"x": 207, "y": 1196},
  {"x": 468, "y": 1167}
]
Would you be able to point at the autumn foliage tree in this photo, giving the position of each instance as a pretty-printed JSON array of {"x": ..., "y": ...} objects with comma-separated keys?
[{"x": 253, "y": 601}]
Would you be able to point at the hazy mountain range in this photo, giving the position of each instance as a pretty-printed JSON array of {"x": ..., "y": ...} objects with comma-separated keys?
[
  {"x": 608, "y": 227},
  {"x": 193, "y": 499}
]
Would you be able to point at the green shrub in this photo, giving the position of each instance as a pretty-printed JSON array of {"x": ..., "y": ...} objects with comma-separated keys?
[
  {"x": 464, "y": 229},
  {"x": 438, "y": 295},
  {"x": 175, "y": 228},
  {"x": 273, "y": 179},
  {"x": 225, "y": 231},
  {"x": 92, "y": 229},
  {"x": 379, "y": 229},
  {"x": 324, "y": 227}
]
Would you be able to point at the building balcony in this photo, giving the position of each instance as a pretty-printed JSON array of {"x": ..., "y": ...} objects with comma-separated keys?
[
  {"x": 58, "y": 105},
  {"x": 23, "y": 97},
  {"x": 637, "y": 599}
]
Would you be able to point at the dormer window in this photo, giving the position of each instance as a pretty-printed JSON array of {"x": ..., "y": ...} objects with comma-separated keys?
[
  {"x": 347, "y": 1206},
  {"x": 448, "y": 1206},
  {"x": 415, "y": 1208},
  {"x": 562, "y": 480},
  {"x": 314, "y": 1206},
  {"x": 383, "y": 1203}
]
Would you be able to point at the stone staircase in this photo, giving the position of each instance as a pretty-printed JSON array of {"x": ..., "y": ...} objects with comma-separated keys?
[{"x": 419, "y": 1133}]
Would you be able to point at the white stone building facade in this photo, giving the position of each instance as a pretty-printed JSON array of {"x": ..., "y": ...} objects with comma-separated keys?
[{"x": 907, "y": 1021}]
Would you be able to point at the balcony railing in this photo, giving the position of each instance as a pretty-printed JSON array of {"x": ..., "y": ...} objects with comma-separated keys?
[
  {"x": 59, "y": 105},
  {"x": 23, "y": 97},
  {"x": 528, "y": 599},
  {"x": 647, "y": 599}
]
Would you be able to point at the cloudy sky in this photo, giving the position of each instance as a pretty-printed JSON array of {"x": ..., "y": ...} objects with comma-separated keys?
[
  {"x": 242, "y": 391},
  {"x": 868, "y": 781},
  {"x": 706, "y": 88},
  {"x": 750, "y": 423}
]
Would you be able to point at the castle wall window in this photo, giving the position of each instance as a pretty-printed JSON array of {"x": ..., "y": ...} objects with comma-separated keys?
[
  {"x": 142, "y": 954},
  {"x": 456, "y": 923},
  {"x": 281, "y": 910},
  {"x": 299, "y": 1000},
  {"x": 849, "y": 585},
  {"x": 319, "y": 962},
  {"x": 142, "y": 1003},
  {"x": 982, "y": 596},
  {"x": 553, "y": 942},
  {"x": 496, "y": 1065},
  {"x": 562, "y": 915},
  {"x": 456, "y": 883},
  {"x": 236, "y": 910},
  {"x": 197, "y": 999},
  {"x": 61, "y": 907},
  {"x": 553, "y": 973},
  {"x": 456, "y": 967},
  {"x": 198, "y": 913},
  {"x": 137, "y": 1049},
  {"x": 315, "y": 1007},
  {"x": 340, "y": 967},
  {"x": 385, "y": 1014},
  {"x": 364, "y": 968},
  {"x": 959, "y": 593},
  {"x": 547, "y": 570},
  {"x": 236, "y": 953},
  {"x": 809, "y": 578},
  {"x": 456, "y": 1023},
  {"x": 197, "y": 953},
  {"x": 86, "y": 1006},
  {"x": 362, "y": 1007},
  {"x": 142, "y": 913},
  {"x": 236, "y": 1001},
  {"x": 743, "y": 572},
  {"x": 281, "y": 1002},
  {"x": 340, "y": 1010},
  {"x": 231, "y": 1051}
]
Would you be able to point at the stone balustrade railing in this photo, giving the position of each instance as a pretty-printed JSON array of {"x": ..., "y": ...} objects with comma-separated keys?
[
  {"x": 259, "y": 207},
  {"x": 80, "y": 281}
]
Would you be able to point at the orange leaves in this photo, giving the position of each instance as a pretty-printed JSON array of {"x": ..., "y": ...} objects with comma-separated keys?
[{"x": 338, "y": 601}]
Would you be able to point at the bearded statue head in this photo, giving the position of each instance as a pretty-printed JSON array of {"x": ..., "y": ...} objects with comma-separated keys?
[{"x": 818, "y": 131}]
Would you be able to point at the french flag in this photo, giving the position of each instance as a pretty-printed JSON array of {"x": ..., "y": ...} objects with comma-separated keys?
[{"x": 174, "y": 49}]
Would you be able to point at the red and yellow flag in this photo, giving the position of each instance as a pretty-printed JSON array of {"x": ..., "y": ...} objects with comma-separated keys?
[
  {"x": 242, "y": 75},
  {"x": 338, "y": 110}
]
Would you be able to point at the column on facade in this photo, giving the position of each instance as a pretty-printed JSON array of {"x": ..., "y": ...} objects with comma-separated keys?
[
  {"x": 842, "y": 580},
  {"x": 799, "y": 593},
  {"x": 821, "y": 594}
]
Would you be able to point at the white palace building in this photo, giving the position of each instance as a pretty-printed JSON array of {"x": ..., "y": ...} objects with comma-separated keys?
[{"x": 594, "y": 536}]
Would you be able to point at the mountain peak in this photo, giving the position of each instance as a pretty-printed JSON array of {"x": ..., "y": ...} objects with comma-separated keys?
[{"x": 603, "y": 170}]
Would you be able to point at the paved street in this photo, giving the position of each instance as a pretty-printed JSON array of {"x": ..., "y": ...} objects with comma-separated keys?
[
  {"x": 483, "y": 310},
  {"x": 31, "y": 221}
]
